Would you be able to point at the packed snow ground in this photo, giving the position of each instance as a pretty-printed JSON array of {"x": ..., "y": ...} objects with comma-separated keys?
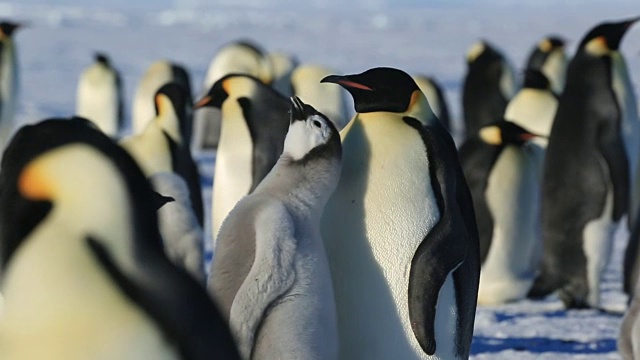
[{"x": 430, "y": 39}]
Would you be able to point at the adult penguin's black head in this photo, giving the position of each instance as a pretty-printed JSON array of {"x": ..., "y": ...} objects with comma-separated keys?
[
  {"x": 7, "y": 27},
  {"x": 606, "y": 36},
  {"x": 172, "y": 97},
  {"x": 534, "y": 79},
  {"x": 378, "y": 89},
  {"x": 102, "y": 58}
]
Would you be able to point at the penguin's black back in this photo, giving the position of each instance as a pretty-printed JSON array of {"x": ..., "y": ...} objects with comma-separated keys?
[
  {"x": 482, "y": 100},
  {"x": 267, "y": 117},
  {"x": 584, "y": 137}
]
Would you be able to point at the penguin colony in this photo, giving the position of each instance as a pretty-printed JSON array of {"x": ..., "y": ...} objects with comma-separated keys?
[{"x": 369, "y": 238}]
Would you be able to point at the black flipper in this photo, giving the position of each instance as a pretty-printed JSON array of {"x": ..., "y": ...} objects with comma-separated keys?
[
  {"x": 477, "y": 159},
  {"x": 176, "y": 302},
  {"x": 183, "y": 164},
  {"x": 612, "y": 148},
  {"x": 452, "y": 245}
]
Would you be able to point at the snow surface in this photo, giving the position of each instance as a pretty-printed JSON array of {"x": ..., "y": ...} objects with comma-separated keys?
[{"x": 419, "y": 38}]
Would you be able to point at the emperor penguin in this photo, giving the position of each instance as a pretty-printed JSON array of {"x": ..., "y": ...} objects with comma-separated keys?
[
  {"x": 488, "y": 86},
  {"x": 163, "y": 145},
  {"x": 585, "y": 190},
  {"x": 99, "y": 96},
  {"x": 8, "y": 80},
  {"x": 400, "y": 229},
  {"x": 158, "y": 74},
  {"x": 329, "y": 100},
  {"x": 548, "y": 57},
  {"x": 433, "y": 91},
  {"x": 503, "y": 169},
  {"x": 238, "y": 57},
  {"x": 254, "y": 125},
  {"x": 270, "y": 275},
  {"x": 95, "y": 251}
]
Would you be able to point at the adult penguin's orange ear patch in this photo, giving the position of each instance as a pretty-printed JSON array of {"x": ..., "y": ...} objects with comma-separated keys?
[{"x": 32, "y": 184}]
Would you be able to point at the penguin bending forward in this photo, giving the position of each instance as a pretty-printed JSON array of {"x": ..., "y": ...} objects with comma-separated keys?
[
  {"x": 585, "y": 190},
  {"x": 502, "y": 168},
  {"x": 269, "y": 273},
  {"x": 91, "y": 279},
  {"x": 400, "y": 229}
]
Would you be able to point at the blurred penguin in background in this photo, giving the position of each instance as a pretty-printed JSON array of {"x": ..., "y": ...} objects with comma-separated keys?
[
  {"x": 488, "y": 86},
  {"x": 99, "y": 95},
  {"x": 549, "y": 58},
  {"x": 238, "y": 57},
  {"x": 282, "y": 66},
  {"x": 329, "y": 100},
  {"x": 502, "y": 168},
  {"x": 159, "y": 73},
  {"x": 433, "y": 91},
  {"x": 8, "y": 80},
  {"x": 91, "y": 278},
  {"x": 585, "y": 190}
]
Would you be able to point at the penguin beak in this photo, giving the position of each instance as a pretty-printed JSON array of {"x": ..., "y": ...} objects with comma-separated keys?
[
  {"x": 205, "y": 101},
  {"x": 297, "y": 109},
  {"x": 529, "y": 136},
  {"x": 345, "y": 82}
]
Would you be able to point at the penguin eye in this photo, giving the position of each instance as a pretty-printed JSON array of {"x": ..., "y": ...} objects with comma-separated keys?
[{"x": 317, "y": 124}]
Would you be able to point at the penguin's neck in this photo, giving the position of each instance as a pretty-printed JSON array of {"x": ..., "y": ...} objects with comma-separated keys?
[
  {"x": 170, "y": 123},
  {"x": 306, "y": 187},
  {"x": 420, "y": 109}
]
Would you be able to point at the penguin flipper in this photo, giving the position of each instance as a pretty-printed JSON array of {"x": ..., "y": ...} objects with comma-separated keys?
[
  {"x": 612, "y": 148},
  {"x": 182, "y": 308},
  {"x": 270, "y": 277},
  {"x": 447, "y": 245}
]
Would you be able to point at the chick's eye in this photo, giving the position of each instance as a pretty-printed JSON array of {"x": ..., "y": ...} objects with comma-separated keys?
[{"x": 317, "y": 123}]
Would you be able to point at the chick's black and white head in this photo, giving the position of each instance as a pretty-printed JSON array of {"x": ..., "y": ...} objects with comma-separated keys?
[
  {"x": 606, "y": 37},
  {"x": 311, "y": 135},
  {"x": 378, "y": 89}
]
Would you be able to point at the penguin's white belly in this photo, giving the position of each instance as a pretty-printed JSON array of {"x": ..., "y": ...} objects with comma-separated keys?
[
  {"x": 513, "y": 198},
  {"x": 381, "y": 211},
  {"x": 597, "y": 245},
  {"x": 65, "y": 306},
  {"x": 233, "y": 173},
  {"x": 150, "y": 150},
  {"x": 98, "y": 100}
]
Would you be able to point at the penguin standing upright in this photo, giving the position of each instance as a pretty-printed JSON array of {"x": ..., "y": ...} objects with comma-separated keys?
[
  {"x": 8, "y": 80},
  {"x": 163, "y": 145},
  {"x": 305, "y": 83},
  {"x": 270, "y": 274},
  {"x": 585, "y": 190},
  {"x": 254, "y": 125},
  {"x": 238, "y": 57},
  {"x": 488, "y": 86},
  {"x": 549, "y": 58},
  {"x": 159, "y": 73},
  {"x": 433, "y": 91},
  {"x": 91, "y": 279},
  {"x": 503, "y": 170},
  {"x": 400, "y": 228},
  {"x": 99, "y": 96}
]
